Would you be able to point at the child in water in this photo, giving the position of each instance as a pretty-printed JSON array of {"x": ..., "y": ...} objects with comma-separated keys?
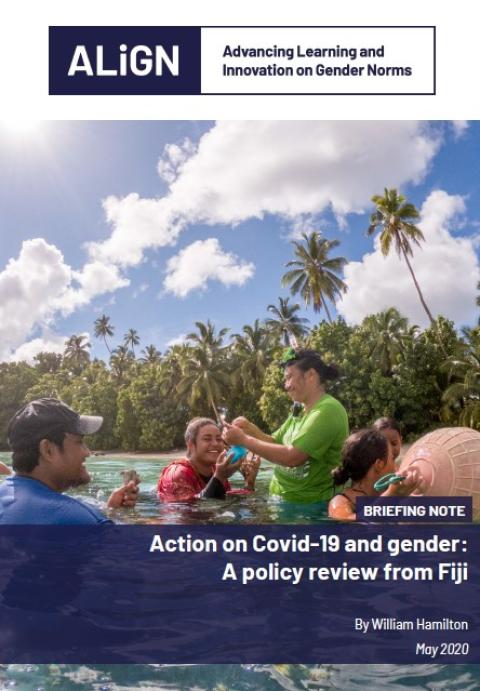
[
  {"x": 367, "y": 455},
  {"x": 390, "y": 429}
]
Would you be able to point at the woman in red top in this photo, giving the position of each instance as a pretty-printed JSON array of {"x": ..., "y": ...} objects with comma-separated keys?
[{"x": 205, "y": 470}]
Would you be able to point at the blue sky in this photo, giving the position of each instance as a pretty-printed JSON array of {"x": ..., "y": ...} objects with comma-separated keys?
[{"x": 200, "y": 217}]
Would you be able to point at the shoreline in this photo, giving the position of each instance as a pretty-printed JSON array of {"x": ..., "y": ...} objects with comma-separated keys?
[
  {"x": 138, "y": 455},
  {"x": 159, "y": 455},
  {"x": 124, "y": 455}
]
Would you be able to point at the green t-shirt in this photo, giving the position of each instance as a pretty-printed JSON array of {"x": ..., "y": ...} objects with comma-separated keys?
[{"x": 320, "y": 433}]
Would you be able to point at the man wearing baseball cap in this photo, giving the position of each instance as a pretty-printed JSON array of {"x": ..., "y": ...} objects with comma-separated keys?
[{"x": 49, "y": 453}]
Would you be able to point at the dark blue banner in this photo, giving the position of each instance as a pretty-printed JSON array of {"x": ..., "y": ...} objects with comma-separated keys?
[
  {"x": 124, "y": 60},
  {"x": 230, "y": 594}
]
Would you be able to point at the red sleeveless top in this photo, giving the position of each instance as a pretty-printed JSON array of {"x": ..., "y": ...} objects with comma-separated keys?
[{"x": 179, "y": 481}]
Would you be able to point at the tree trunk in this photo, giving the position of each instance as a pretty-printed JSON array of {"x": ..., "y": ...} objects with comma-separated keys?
[
  {"x": 324, "y": 303},
  {"x": 212, "y": 402},
  {"x": 424, "y": 304},
  {"x": 292, "y": 340},
  {"x": 105, "y": 339},
  {"x": 420, "y": 294}
]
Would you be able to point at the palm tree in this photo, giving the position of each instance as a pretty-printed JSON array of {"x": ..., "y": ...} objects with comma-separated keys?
[
  {"x": 462, "y": 397},
  {"x": 103, "y": 328},
  {"x": 253, "y": 349},
  {"x": 76, "y": 352},
  {"x": 471, "y": 336},
  {"x": 395, "y": 216},
  {"x": 204, "y": 374},
  {"x": 206, "y": 337},
  {"x": 174, "y": 365},
  {"x": 287, "y": 323},
  {"x": 388, "y": 330},
  {"x": 120, "y": 362},
  {"x": 151, "y": 355},
  {"x": 131, "y": 338},
  {"x": 315, "y": 274}
]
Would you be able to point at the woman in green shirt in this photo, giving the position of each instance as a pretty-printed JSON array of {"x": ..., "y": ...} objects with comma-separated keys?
[{"x": 307, "y": 446}]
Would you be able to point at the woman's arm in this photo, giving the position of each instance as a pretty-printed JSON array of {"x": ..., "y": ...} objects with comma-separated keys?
[
  {"x": 287, "y": 456},
  {"x": 252, "y": 430}
]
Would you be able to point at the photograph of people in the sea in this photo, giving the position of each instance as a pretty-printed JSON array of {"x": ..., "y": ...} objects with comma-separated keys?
[{"x": 236, "y": 322}]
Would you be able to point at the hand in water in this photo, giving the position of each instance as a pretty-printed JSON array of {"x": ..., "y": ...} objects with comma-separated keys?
[
  {"x": 124, "y": 497},
  {"x": 129, "y": 475},
  {"x": 249, "y": 469}
]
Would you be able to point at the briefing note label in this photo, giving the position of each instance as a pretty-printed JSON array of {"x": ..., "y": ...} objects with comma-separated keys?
[{"x": 383, "y": 60}]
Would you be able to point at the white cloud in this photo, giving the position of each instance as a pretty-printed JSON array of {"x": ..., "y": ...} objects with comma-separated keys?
[
  {"x": 200, "y": 262},
  {"x": 27, "y": 351},
  {"x": 29, "y": 287},
  {"x": 174, "y": 156},
  {"x": 247, "y": 169},
  {"x": 300, "y": 225},
  {"x": 177, "y": 340},
  {"x": 238, "y": 171},
  {"x": 39, "y": 284},
  {"x": 459, "y": 128},
  {"x": 446, "y": 268},
  {"x": 48, "y": 342},
  {"x": 94, "y": 279},
  {"x": 137, "y": 224},
  {"x": 243, "y": 170}
]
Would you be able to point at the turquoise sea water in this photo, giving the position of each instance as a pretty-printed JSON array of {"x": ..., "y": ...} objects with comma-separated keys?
[
  {"x": 255, "y": 508},
  {"x": 239, "y": 677},
  {"x": 252, "y": 509}
]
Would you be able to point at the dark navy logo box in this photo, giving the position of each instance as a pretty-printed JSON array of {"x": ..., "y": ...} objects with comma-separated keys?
[{"x": 117, "y": 60}]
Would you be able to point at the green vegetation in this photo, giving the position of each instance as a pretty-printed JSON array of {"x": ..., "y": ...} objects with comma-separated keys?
[
  {"x": 387, "y": 368},
  {"x": 425, "y": 379}
]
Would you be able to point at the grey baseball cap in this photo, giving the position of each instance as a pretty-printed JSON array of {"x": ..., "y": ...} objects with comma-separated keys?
[{"x": 38, "y": 419}]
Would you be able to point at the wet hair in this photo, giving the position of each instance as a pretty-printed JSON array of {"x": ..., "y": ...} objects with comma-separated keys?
[
  {"x": 26, "y": 458},
  {"x": 195, "y": 425},
  {"x": 306, "y": 359},
  {"x": 386, "y": 423},
  {"x": 359, "y": 453}
]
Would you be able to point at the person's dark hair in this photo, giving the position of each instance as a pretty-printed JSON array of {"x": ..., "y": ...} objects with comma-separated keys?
[
  {"x": 387, "y": 423},
  {"x": 195, "y": 425},
  {"x": 359, "y": 453},
  {"x": 26, "y": 458},
  {"x": 306, "y": 359}
]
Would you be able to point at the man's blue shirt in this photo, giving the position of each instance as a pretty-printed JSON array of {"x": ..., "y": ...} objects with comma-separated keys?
[{"x": 24, "y": 500}]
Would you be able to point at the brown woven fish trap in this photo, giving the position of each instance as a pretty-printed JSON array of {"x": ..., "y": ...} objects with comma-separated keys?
[{"x": 449, "y": 460}]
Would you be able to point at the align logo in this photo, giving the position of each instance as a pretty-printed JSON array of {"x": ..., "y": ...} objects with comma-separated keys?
[
  {"x": 139, "y": 61},
  {"x": 124, "y": 60}
]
